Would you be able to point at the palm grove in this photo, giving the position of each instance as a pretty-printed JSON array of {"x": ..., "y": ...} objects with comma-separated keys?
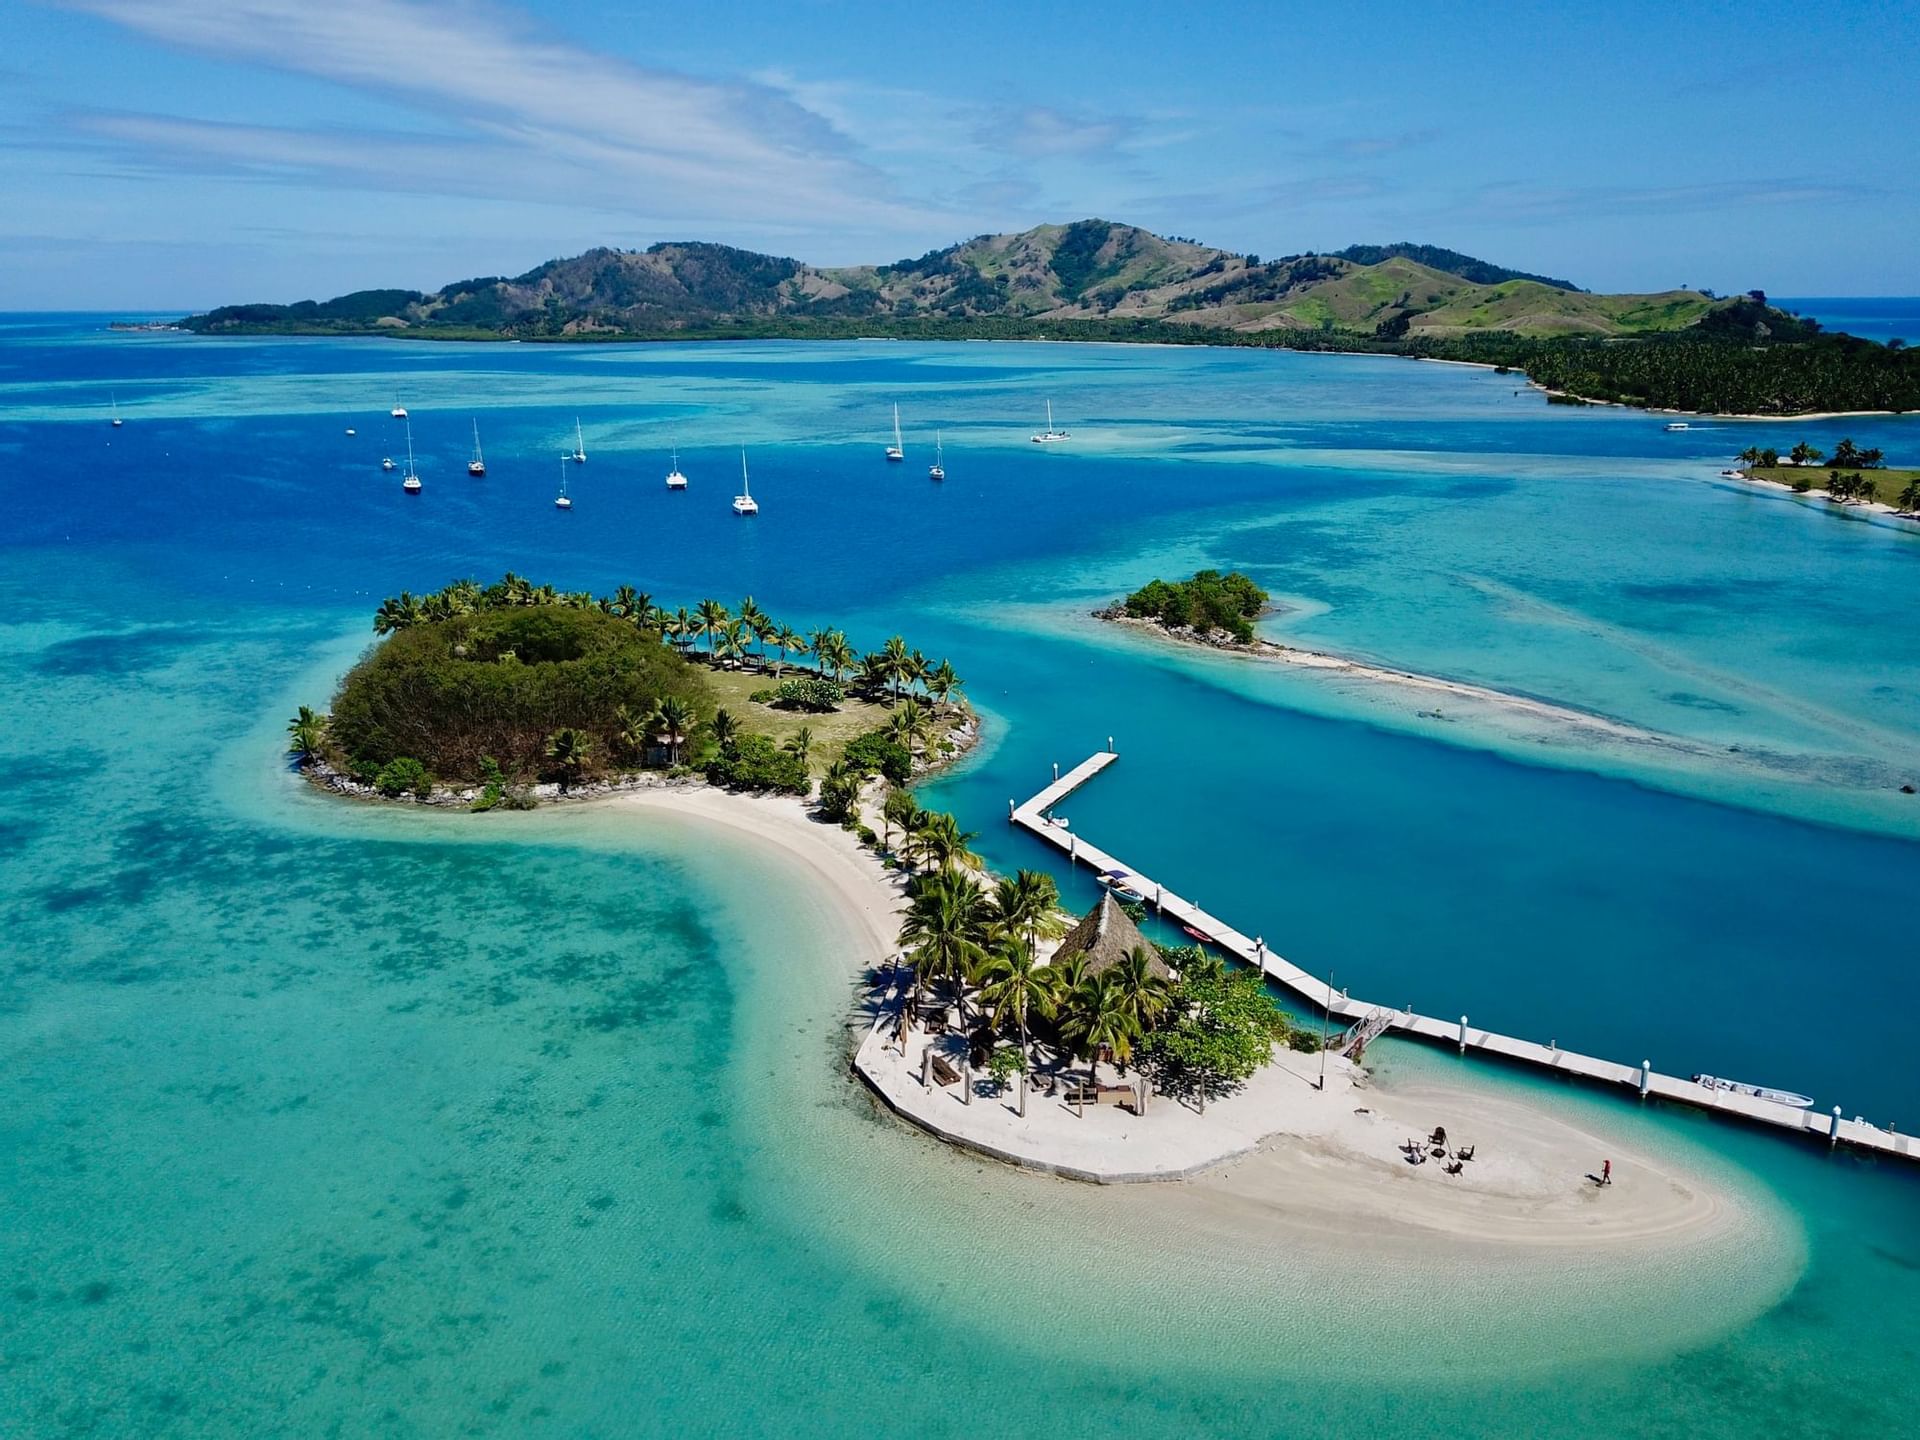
[
  {"x": 503, "y": 685},
  {"x": 1196, "y": 1027}
]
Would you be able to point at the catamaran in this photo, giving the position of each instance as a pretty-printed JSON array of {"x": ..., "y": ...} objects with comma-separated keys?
[
  {"x": 399, "y": 411},
  {"x": 478, "y": 464},
  {"x": 1050, "y": 435},
  {"x": 387, "y": 464},
  {"x": 896, "y": 451},
  {"x": 579, "y": 443},
  {"x": 563, "y": 503},
  {"x": 412, "y": 483},
  {"x": 1757, "y": 1092},
  {"x": 114, "y": 400},
  {"x": 937, "y": 470},
  {"x": 675, "y": 480},
  {"x": 744, "y": 503}
]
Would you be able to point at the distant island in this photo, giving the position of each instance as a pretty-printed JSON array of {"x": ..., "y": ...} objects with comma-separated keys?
[
  {"x": 501, "y": 695},
  {"x": 1849, "y": 476},
  {"x": 1095, "y": 280}
]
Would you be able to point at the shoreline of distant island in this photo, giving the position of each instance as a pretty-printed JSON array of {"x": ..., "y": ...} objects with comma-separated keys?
[{"x": 1094, "y": 281}]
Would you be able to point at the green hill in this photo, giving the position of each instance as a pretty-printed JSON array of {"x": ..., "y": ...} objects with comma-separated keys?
[{"x": 1090, "y": 269}]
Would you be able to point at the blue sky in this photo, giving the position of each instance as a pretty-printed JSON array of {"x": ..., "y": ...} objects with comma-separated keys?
[{"x": 186, "y": 152}]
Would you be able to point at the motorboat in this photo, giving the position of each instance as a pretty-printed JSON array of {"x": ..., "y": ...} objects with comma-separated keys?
[{"x": 1753, "y": 1092}]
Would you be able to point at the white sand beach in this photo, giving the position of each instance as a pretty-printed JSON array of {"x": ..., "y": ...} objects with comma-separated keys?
[{"x": 1281, "y": 1152}]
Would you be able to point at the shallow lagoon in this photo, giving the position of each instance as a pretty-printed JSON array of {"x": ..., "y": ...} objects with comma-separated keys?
[{"x": 333, "y": 1119}]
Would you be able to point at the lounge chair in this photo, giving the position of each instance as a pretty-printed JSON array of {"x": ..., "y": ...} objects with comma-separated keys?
[{"x": 943, "y": 1071}]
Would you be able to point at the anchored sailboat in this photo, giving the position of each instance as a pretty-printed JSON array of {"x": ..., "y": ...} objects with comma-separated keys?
[
  {"x": 399, "y": 411},
  {"x": 412, "y": 483},
  {"x": 1050, "y": 435},
  {"x": 937, "y": 470},
  {"x": 579, "y": 442},
  {"x": 114, "y": 400},
  {"x": 895, "y": 450},
  {"x": 675, "y": 480},
  {"x": 563, "y": 503},
  {"x": 478, "y": 464},
  {"x": 744, "y": 503}
]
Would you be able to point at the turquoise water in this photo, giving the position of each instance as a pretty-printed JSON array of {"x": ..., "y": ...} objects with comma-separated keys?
[
  {"x": 1873, "y": 317},
  {"x": 323, "y": 1120}
]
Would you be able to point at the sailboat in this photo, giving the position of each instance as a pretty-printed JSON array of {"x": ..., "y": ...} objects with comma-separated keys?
[
  {"x": 675, "y": 480},
  {"x": 937, "y": 470},
  {"x": 412, "y": 483},
  {"x": 744, "y": 503},
  {"x": 895, "y": 450},
  {"x": 387, "y": 464},
  {"x": 114, "y": 400},
  {"x": 579, "y": 442},
  {"x": 563, "y": 503},
  {"x": 478, "y": 464},
  {"x": 399, "y": 411},
  {"x": 1050, "y": 435}
]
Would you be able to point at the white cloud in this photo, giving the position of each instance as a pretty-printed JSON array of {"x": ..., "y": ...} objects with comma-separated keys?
[{"x": 522, "y": 104}]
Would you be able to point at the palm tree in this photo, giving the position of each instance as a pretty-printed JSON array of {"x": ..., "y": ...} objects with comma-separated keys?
[
  {"x": 820, "y": 642},
  {"x": 1142, "y": 995},
  {"x": 517, "y": 589},
  {"x": 684, "y": 628},
  {"x": 1094, "y": 1019},
  {"x": 1016, "y": 987},
  {"x": 755, "y": 622},
  {"x": 1805, "y": 454},
  {"x": 712, "y": 615},
  {"x": 942, "y": 934},
  {"x": 908, "y": 726},
  {"x": 942, "y": 682},
  {"x": 840, "y": 790},
  {"x": 944, "y": 844},
  {"x": 672, "y": 718},
  {"x": 397, "y": 613},
  {"x": 1028, "y": 906},
  {"x": 800, "y": 744},
  {"x": 306, "y": 732},
  {"x": 914, "y": 669},
  {"x": 787, "y": 639},
  {"x": 895, "y": 658},
  {"x": 464, "y": 597},
  {"x": 642, "y": 613},
  {"x": 725, "y": 729},
  {"x": 874, "y": 673},
  {"x": 838, "y": 654},
  {"x": 1910, "y": 497},
  {"x": 898, "y": 809},
  {"x": 733, "y": 643},
  {"x": 569, "y": 750},
  {"x": 619, "y": 603},
  {"x": 629, "y": 731}
]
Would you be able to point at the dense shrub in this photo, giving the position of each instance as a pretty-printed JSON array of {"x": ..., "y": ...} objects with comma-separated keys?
[
  {"x": 753, "y": 762},
  {"x": 805, "y": 693},
  {"x": 1209, "y": 601},
  {"x": 875, "y": 754},
  {"x": 403, "y": 775},
  {"x": 498, "y": 683}
]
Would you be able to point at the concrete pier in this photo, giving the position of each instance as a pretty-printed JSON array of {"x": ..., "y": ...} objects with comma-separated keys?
[{"x": 1032, "y": 816}]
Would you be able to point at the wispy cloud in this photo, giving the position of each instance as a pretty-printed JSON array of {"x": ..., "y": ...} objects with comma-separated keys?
[
  {"x": 1552, "y": 202},
  {"x": 1367, "y": 147},
  {"x": 1043, "y": 131},
  {"x": 512, "y": 97}
]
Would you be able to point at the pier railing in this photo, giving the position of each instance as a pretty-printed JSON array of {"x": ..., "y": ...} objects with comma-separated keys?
[{"x": 1032, "y": 816}]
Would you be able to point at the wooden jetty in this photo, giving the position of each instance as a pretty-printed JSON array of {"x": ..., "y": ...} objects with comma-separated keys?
[{"x": 1368, "y": 1019}]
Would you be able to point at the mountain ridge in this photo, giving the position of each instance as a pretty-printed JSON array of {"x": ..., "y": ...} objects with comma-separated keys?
[{"x": 1084, "y": 270}]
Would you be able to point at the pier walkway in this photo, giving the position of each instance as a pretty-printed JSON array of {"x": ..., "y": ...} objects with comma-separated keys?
[{"x": 1252, "y": 950}]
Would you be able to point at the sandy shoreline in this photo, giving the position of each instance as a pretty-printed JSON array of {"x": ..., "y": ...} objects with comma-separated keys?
[{"x": 1325, "y": 1163}]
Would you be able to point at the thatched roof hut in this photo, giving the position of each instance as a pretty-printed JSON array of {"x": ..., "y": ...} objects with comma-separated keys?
[{"x": 1103, "y": 936}]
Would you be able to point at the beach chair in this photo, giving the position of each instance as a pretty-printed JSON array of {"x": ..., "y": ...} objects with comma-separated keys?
[{"x": 944, "y": 1072}]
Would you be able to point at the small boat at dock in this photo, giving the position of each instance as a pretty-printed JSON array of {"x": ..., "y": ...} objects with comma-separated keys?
[
  {"x": 1753, "y": 1092},
  {"x": 1199, "y": 937}
]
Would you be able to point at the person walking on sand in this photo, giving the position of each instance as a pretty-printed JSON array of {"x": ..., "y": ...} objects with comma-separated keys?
[{"x": 1606, "y": 1172}]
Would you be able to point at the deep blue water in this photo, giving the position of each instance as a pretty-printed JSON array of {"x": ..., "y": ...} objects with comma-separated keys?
[{"x": 1871, "y": 317}]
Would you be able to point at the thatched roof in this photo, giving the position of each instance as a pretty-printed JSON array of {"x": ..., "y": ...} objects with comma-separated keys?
[{"x": 1104, "y": 935}]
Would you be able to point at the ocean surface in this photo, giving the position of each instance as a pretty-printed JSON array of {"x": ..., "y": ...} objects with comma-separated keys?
[
  {"x": 1871, "y": 317},
  {"x": 326, "y": 1120}
]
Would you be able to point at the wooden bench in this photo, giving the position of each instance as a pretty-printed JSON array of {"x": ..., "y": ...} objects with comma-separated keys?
[{"x": 943, "y": 1071}]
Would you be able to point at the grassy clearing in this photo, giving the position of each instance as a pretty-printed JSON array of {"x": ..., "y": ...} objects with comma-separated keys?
[
  {"x": 1890, "y": 482},
  {"x": 830, "y": 732}
]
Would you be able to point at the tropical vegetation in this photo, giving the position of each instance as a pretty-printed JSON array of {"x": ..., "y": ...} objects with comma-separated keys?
[
  {"x": 1207, "y": 602},
  {"x": 507, "y": 684}
]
